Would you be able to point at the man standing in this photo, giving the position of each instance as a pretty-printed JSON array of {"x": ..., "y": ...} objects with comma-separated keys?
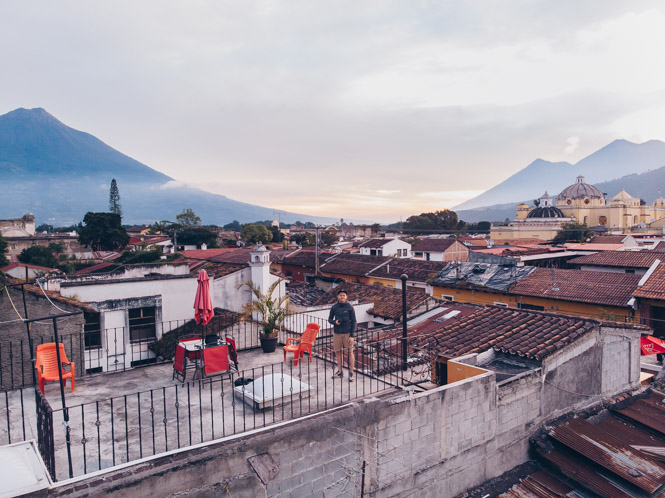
[{"x": 343, "y": 318}]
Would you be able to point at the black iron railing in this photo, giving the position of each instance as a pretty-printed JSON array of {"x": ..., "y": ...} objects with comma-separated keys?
[{"x": 45, "y": 433}]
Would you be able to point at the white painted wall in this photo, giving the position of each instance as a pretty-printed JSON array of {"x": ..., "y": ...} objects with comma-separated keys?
[{"x": 177, "y": 293}]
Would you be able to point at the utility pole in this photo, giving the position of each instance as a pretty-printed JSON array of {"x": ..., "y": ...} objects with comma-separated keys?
[{"x": 316, "y": 257}]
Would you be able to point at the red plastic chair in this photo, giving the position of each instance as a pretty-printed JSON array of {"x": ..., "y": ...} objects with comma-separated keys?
[
  {"x": 46, "y": 365},
  {"x": 233, "y": 352},
  {"x": 216, "y": 360},
  {"x": 179, "y": 361},
  {"x": 304, "y": 343}
]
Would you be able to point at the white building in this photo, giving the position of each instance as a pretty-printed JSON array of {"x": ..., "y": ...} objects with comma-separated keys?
[{"x": 386, "y": 247}]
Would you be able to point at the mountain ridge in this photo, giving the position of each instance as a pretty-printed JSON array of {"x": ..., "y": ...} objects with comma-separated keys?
[
  {"x": 59, "y": 173},
  {"x": 613, "y": 161}
]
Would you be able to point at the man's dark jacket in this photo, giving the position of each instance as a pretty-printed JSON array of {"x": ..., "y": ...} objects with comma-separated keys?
[{"x": 346, "y": 316}]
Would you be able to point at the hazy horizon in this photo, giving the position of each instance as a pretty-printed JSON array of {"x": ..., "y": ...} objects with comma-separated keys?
[{"x": 377, "y": 110}]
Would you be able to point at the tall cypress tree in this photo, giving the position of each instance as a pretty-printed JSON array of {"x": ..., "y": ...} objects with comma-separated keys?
[{"x": 114, "y": 199}]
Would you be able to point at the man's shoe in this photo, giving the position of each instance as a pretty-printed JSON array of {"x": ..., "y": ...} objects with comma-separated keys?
[
  {"x": 338, "y": 374},
  {"x": 351, "y": 377}
]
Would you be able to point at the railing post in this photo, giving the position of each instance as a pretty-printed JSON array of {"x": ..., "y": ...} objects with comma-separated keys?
[{"x": 404, "y": 278}]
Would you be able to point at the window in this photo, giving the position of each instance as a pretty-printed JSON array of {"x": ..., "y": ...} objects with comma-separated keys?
[
  {"x": 447, "y": 297},
  {"x": 497, "y": 303},
  {"x": 142, "y": 324},
  {"x": 525, "y": 306},
  {"x": 92, "y": 333}
]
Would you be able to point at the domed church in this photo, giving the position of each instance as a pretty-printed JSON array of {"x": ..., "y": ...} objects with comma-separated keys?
[{"x": 582, "y": 203}]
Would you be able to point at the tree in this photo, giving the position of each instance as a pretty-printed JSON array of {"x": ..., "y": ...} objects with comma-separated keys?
[
  {"x": 253, "y": 234},
  {"x": 114, "y": 199},
  {"x": 103, "y": 232},
  {"x": 197, "y": 236},
  {"x": 573, "y": 232},
  {"x": 3, "y": 251},
  {"x": 188, "y": 218},
  {"x": 44, "y": 227},
  {"x": 234, "y": 225},
  {"x": 445, "y": 220},
  {"x": 328, "y": 237},
  {"x": 304, "y": 239},
  {"x": 39, "y": 256},
  {"x": 277, "y": 235}
]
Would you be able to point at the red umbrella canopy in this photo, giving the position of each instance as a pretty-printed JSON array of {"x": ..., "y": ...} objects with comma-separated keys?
[
  {"x": 203, "y": 311},
  {"x": 652, "y": 345}
]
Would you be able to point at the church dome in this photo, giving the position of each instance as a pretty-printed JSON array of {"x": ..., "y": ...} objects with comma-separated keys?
[
  {"x": 580, "y": 190},
  {"x": 546, "y": 212}
]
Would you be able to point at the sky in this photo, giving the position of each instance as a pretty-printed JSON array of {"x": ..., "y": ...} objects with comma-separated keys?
[{"x": 371, "y": 109}]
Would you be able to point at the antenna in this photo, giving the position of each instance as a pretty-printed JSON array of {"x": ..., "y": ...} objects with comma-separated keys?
[{"x": 278, "y": 213}]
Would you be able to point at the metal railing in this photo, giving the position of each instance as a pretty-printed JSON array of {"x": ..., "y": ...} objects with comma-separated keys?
[{"x": 130, "y": 426}]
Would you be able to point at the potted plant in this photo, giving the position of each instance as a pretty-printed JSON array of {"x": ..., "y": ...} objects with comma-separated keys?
[{"x": 271, "y": 310}]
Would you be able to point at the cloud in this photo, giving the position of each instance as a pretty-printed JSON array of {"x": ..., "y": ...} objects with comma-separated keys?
[
  {"x": 573, "y": 144},
  {"x": 172, "y": 184}
]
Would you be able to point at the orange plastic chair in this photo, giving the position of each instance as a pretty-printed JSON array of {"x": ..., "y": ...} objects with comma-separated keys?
[
  {"x": 47, "y": 365},
  {"x": 303, "y": 344}
]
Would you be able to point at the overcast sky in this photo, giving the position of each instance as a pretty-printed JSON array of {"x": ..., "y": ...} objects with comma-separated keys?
[{"x": 355, "y": 109}]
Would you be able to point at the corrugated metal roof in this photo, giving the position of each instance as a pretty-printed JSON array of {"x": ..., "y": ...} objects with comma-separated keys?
[
  {"x": 649, "y": 412},
  {"x": 498, "y": 277},
  {"x": 609, "y": 452}
]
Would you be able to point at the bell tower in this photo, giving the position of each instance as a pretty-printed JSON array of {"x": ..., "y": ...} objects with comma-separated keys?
[{"x": 259, "y": 263}]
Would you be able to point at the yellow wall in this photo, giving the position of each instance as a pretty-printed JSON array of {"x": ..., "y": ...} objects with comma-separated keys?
[
  {"x": 460, "y": 371},
  {"x": 383, "y": 281},
  {"x": 552, "y": 305}
]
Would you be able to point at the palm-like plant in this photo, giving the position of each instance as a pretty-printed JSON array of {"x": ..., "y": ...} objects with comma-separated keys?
[{"x": 270, "y": 308}]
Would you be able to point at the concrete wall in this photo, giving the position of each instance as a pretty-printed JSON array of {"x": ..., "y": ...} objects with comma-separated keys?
[
  {"x": 14, "y": 351},
  {"x": 435, "y": 443}
]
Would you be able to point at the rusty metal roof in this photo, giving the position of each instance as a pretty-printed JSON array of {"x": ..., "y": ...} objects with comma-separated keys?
[
  {"x": 611, "y": 453},
  {"x": 540, "y": 484},
  {"x": 649, "y": 412}
]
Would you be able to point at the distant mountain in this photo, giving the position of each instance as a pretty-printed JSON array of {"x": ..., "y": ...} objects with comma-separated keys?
[
  {"x": 613, "y": 161},
  {"x": 58, "y": 174},
  {"x": 648, "y": 186}
]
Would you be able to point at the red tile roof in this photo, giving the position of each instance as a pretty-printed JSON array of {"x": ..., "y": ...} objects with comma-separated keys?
[
  {"x": 206, "y": 253},
  {"x": 530, "y": 334},
  {"x": 305, "y": 258},
  {"x": 387, "y": 300},
  {"x": 417, "y": 270},
  {"x": 654, "y": 287},
  {"x": 375, "y": 243},
  {"x": 352, "y": 264},
  {"x": 609, "y": 239},
  {"x": 620, "y": 259},
  {"x": 610, "y": 289},
  {"x": 26, "y": 265},
  {"x": 433, "y": 245}
]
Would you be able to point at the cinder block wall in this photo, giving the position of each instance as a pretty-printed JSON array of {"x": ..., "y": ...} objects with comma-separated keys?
[
  {"x": 14, "y": 351},
  {"x": 436, "y": 443}
]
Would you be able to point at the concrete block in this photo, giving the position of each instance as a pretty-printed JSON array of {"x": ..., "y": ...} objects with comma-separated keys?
[{"x": 302, "y": 491}]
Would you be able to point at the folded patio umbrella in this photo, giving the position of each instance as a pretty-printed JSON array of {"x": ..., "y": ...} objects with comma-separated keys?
[
  {"x": 652, "y": 345},
  {"x": 203, "y": 311}
]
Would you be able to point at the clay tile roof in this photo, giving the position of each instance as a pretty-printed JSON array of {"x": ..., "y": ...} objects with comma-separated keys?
[
  {"x": 306, "y": 258},
  {"x": 217, "y": 270},
  {"x": 303, "y": 294},
  {"x": 233, "y": 256},
  {"x": 415, "y": 269},
  {"x": 375, "y": 243},
  {"x": 530, "y": 334},
  {"x": 353, "y": 264},
  {"x": 387, "y": 300},
  {"x": 433, "y": 245},
  {"x": 654, "y": 287},
  {"x": 609, "y": 239},
  {"x": 611, "y": 289},
  {"x": 205, "y": 253},
  {"x": 622, "y": 259}
]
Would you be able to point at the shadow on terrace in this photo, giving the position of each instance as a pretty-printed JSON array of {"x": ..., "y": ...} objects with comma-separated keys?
[{"x": 134, "y": 413}]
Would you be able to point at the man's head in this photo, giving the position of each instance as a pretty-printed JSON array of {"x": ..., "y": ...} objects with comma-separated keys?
[{"x": 342, "y": 296}]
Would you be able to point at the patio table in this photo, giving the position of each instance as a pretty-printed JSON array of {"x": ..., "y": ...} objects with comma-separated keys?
[{"x": 213, "y": 352}]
